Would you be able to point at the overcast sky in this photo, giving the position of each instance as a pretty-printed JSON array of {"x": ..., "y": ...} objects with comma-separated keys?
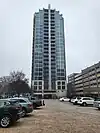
[{"x": 82, "y": 33}]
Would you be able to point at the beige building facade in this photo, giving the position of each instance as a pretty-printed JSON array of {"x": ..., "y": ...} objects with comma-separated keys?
[{"x": 87, "y": 82}]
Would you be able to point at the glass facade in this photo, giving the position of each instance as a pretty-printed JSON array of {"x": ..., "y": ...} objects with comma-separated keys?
[
  {"x": 48, "y": 55},
  {"x": 60, "y": 48}
]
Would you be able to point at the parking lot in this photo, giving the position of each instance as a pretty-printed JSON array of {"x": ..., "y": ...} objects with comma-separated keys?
[{"x": 58, "y": 117}]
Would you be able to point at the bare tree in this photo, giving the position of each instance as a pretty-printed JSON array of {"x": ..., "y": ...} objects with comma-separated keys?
[
  {"x": 4, "y": 83},
  {"x": 15, "y": 82},
  {"x": 19, "y": 75}
]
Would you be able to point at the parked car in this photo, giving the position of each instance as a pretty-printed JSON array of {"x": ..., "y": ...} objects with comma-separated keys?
[
  {"x": 10, "y": 112},
  {"x": 84, "y": 101},
  {"x": 97, "y": 103},
  {"x": 64, "y": 99},
  {"x": 37, "y": 102},
  {"x": 27, "y": 106},
  {"x": 75, "y": 100}
]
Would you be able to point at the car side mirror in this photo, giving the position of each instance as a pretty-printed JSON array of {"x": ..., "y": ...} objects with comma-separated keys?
[{"x": 4, "y": 103}]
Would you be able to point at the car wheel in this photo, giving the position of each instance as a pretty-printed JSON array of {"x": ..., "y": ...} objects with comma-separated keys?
[
  {"x": 5, "y": 121},
  {"x": 23, "y": 112},
  {"x": 34, "y": 106},
  {"x": 84, "y": 104},
  {"x": 43, "y": 104},
  {"x": 98, "y": 108},
  {"x": 74, "y": 103}
]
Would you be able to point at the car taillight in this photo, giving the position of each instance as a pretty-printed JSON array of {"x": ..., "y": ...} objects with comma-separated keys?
[
  {"x": 17, "y": 107},
  {"x": 30, "y": 105},
  {"x": 20, "y": 107}
]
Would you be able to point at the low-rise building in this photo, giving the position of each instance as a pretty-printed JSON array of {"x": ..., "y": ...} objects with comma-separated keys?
[
  {"x": 79, "y": 84},
  {"x": 87, "y": 82},
  {"x": 91, "y": 80},
  {"x": 71, "y": 85}
]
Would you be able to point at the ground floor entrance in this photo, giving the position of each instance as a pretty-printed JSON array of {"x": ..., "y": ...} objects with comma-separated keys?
[{"x": 46, "y": 96}]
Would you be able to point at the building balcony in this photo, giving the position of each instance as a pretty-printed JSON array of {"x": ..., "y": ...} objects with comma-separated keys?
[
  {"x": 86, "y": 84},
  {"x": 98, "y": 75},
  {"x": 79, "y": 93},
  {"x": 92, "y": 77},
  {"x": 99, "y": 85},
  {"x": 93, "y": 86},
  {"x": 78, "y": 82},
  {"x": 92, "y": 72},
  {"x": 79, "y": 89},
  {"x": 98, "y": 80},
  {"x": 93, "y": 81},
  {"x": 98, "y": 70}
]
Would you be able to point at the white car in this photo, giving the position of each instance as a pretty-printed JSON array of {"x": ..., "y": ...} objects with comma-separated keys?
[
  {"x": 75, "y": 100},
  {"x": 97, "y": 103},
  {"x": 64, "y": 99},
  {"x": 86, "y": 101}
]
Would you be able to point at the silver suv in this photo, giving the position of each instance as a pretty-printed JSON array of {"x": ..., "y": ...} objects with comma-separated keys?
[{"x": 27, "y": 106}]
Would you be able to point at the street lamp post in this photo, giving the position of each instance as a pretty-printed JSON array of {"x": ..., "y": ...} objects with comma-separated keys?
[{"x": 42, "y": 93}]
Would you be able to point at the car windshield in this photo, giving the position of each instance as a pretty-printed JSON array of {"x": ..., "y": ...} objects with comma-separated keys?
[
  {"x": 78, "y": 98},
  {"x": 14, "y": 102},
  {"x": 26, "y": 99},
  {"x": 97, "y": 99},
  {"x": 33, "y": 98},
  {"x": 74, "y": 98}
]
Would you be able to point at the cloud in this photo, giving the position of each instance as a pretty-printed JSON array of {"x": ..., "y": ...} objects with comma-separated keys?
[{"x": 82, "y": 32}]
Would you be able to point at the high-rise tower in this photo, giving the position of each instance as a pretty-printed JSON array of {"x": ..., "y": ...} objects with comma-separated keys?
[{"x": 48, "y": 54}]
